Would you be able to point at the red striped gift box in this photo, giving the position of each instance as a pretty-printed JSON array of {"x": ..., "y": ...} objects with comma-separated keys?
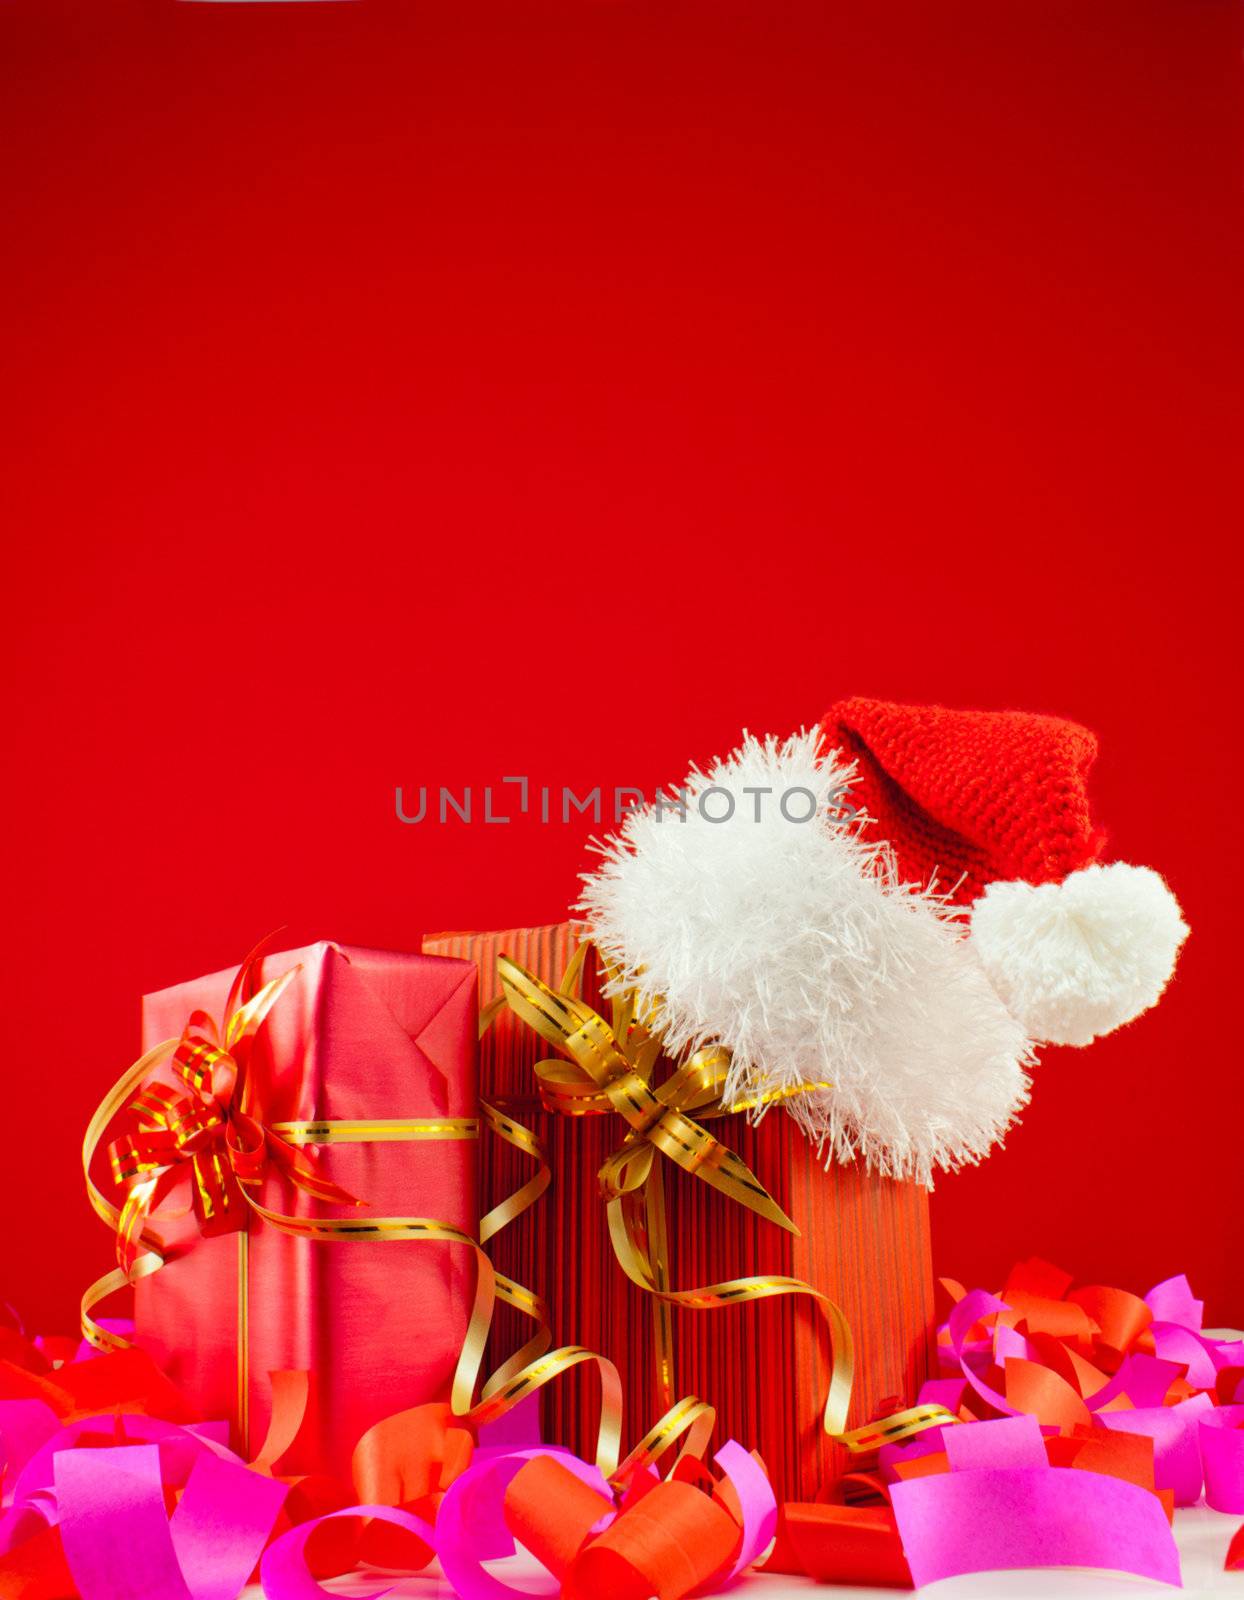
[{"x": 864, "y": 1241}]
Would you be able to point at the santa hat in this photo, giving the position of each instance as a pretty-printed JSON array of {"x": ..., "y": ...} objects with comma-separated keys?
[
  {"x": 747, "y": 912},
  {"x": 993, "y": 807}
]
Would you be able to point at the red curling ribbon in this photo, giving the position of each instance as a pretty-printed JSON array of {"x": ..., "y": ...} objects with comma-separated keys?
[
  {"x": 670, "y": 1542},
  {"x": 408, "y": 1460},
  {"x": 841, "y": 1544},
  {"x": 126, "y": 1380},
  {"x": 553, "y": 1513}
]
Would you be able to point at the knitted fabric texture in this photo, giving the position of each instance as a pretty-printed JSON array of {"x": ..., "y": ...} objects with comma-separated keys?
[{"x": 969, "y": 797}]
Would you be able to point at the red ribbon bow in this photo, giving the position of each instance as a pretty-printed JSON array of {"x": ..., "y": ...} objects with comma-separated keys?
[{"x": 204, "y": 1128}]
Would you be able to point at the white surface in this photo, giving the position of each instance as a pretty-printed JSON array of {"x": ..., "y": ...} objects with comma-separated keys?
[{"x": 1202, "y": 1536}]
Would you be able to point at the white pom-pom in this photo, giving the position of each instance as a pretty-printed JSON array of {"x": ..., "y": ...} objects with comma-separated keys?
[
  {"x": 1075, "y": 959},
  {"x": 792, "y": 942}
]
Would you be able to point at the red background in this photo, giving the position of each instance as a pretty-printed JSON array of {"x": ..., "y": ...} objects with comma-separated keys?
[{"x": 424, "y": 393}]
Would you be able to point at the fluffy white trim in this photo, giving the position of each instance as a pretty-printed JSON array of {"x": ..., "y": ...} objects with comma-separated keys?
[
  {"x": 1075, "y": 959},
  {"x": 794, "y": 944}
]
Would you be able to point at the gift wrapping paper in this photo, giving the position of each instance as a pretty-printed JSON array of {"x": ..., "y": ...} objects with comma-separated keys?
[
  {"x": 863, "y": 1241},
  {"x": 363, "y": 1037}
]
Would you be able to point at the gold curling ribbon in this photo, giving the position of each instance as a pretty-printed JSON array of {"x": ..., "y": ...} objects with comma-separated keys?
[
  {"x": 609, "y": 1067},
  {"x": 521, "y": 1138}
]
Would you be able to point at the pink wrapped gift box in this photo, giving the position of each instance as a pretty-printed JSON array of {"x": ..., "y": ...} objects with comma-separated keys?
[{"x": 359, "y": 1036}]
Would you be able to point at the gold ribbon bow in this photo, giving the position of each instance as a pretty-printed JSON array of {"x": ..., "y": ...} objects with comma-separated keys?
[
  {"x": 204, "y": 1131},
  {"x": 609, "y": 1066}
]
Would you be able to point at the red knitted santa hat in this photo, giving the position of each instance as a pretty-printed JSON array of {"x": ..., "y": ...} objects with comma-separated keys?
[
  {"x": 993, "y": 805},
  {"x": 968, "y": 797}
]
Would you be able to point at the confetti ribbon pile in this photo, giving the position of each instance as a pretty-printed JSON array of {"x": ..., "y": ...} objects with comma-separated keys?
[
  {"x": 97, "y": 1448},
  {"x": 1091, "y": 1358},
  {"x": 1093, "y": 1413},
  {"x": 1082, "y": 1418}
]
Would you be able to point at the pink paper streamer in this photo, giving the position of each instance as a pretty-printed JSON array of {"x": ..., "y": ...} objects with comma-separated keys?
[
  {"x": 1008, "y": 1341},
  {"x": 118, "y": 1539},
  {"x": 1176, "y": 1343},
  {"x": 114, "y": 1527},
  {"x": 221, "y": 1525},
  {"x": 1221, "y": 1436},
  {"x": 977, "y": 1303},
  {"x": 757, "y": 1502},
  {"x": 993, "y": 1518},
  {"x": 283, "y": 1571},
  {"x": 946, "y": 1392},
  {"x": 1010, "y": 1442},
  {"x": 1173, "y": 1301}
]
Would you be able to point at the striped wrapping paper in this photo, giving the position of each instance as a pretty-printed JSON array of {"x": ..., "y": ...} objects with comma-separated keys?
[{"x": 864, "y": 1241}]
